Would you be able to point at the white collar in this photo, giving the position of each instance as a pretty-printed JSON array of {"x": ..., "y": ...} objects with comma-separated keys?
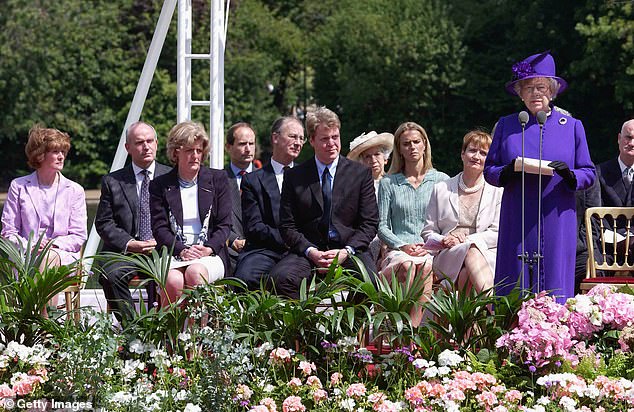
[
  {"x": 138, "y": 169},
  {"x": 278, "y": 168}
]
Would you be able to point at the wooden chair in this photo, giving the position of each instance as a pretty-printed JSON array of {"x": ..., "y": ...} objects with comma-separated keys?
[
  {"x": 72, "y": 294},
  {"x": 606, "y": 253}
]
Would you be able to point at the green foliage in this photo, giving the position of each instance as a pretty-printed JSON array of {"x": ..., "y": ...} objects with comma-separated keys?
[
  {"x": 26, "y": 289},
  {"x": 379, "y": 63}
]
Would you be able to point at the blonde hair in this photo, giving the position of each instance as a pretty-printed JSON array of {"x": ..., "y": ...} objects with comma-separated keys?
[
  {"x": 42, "y": 140},
  {"x": 186, "y": 134},
  {"x": 479, "y": 138},
  {"x": 398, "y": 164},
  {"x": 322, "y": 115}
]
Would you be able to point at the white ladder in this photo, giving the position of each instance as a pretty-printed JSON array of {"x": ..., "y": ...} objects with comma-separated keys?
[{"x": 183, "y": 86}]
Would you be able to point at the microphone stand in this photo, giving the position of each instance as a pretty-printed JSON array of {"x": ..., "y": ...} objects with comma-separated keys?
[
  {"x": 524, "y": 256},
  {"x": 541, "y": 119}
]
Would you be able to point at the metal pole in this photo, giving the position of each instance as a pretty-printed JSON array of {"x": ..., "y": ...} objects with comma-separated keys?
[
  {"x": 134, "y": 113},
  {"x": 216, "y": 80},
  {"x": 183, "y": 68}
]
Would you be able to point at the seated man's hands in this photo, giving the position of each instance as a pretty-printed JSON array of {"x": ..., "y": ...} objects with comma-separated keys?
[
  {"x": 323, "y": 260},
  {"x": 141, "y": 246},
  {"x": 238, "y": 244}
]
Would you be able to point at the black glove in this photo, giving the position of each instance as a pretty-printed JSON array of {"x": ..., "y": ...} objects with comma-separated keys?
[
  {"x": 562, "y": 169},
  {"x": 507, "y": 172}
]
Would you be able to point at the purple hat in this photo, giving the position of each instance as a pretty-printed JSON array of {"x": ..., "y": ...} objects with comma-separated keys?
[{"x": 537, "y": 65}]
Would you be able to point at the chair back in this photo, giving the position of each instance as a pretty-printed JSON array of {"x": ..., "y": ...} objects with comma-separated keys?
[{"x": 613, "y": 227}]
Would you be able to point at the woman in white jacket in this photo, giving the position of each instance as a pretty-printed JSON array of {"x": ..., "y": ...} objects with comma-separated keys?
[{"x": 462, "y": 220}]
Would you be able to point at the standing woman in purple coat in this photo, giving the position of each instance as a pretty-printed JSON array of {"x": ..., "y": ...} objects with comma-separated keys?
[{"x": 564, "y": 148}]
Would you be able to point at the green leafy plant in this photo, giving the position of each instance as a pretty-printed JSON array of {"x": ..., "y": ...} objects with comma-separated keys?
[
  {"x": 389, "y": 302},
  {"x": 27, "y": 284}
]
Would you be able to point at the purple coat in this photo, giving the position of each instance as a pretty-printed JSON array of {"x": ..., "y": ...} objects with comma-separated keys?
[
  {"x": 20, "y": 215},
  {"x": 564, "y": 139}
]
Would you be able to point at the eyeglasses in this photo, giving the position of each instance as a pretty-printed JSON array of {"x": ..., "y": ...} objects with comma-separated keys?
[
  {"x": 531, "y": 89},
  {"x": 296, "y": 137}
]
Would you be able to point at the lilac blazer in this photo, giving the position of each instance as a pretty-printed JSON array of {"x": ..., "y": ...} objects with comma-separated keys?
[{"x": 20, "y": 216}]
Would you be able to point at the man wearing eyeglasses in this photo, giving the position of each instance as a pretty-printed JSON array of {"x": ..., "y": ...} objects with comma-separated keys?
[
  {"x": 328, "y": 209},
  {"x": 261, "y": 204}
]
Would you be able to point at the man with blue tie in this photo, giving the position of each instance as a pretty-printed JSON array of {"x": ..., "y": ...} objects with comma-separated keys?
[
  {"x": 328, "y": 209},
  {"x": 261, "y": 204},
  {"x": 240, "y": 145},
  {"x": 123, "y": 214}
]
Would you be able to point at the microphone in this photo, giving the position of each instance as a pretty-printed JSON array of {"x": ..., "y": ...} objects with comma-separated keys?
[
  {"x": 523, "y": 118},
  {"x": 541, "y": 117}
]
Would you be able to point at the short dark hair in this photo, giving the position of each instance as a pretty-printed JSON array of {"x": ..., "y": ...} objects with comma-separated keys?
[{"x": 231, "y": 132}]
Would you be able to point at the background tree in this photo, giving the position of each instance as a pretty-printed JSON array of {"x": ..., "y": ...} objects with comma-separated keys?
[{"x": 379, "y": 63}]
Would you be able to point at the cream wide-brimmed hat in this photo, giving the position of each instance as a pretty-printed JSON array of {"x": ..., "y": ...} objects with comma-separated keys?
[{"x": 366, "y": 141}]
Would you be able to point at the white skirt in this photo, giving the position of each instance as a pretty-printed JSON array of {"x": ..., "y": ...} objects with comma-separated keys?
[{"x": 214, "y": 265}]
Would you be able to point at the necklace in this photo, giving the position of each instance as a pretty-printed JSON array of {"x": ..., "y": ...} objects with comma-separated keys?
[{"x": 468, "y": 190}]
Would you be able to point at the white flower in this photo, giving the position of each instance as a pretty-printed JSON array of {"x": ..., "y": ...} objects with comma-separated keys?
[
  {"x": 592, "y": 392},
  {"x": 184, "y": 336},
  {"x": 347, "y": 404},
  {"x": 268, "y": 388},
  {"x": 190, "y": 407},
  {"x": 568, "y": 404},
  {"x": 451, "y": 406},
  {"x": 431, "y": 372},
  {"x": 543, "y": 401},
  {"x": 262, "y": 349},
  {"x": 348, "y": 341},
  {"x": 122, "y": 398},
  {"x": 136, "y": 346},
  {"x": 449, "y": 358},
  {"x": 444, "y": 370},
  {"x": 422, "y": 363},
  {"x": 181, "y": 395}
]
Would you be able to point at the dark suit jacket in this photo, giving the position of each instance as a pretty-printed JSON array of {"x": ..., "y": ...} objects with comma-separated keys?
[
  {"x": 261, "y": 210},
  {"x": 354, "y": 208},
  {"x": 117, "y": 219},
  {"x": 213, "y": 190},
  {"x": 614, "y": 192},
  {"x": 237, "y": 231}
]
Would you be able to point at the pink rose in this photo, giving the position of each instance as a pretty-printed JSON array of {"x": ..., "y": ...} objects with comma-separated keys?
[{"x": 293, "y": 404}]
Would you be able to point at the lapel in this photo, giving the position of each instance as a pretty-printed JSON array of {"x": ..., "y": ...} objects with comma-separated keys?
[
  {"x": 313, "y": 180},
  {"x": 454, "y": 200},
  {"x": 236, "y": 207},
  {"x": 173, "y": 196},
  {"x": 62, "y": 201},
  {"x": 34, "y": 194},
  {"x": 128, "y": 187},
  {"x": 206, "y": 192},
  {"x": 615, "y": 180},
  {"x": 488, "y": 193},
  {"x": 269, "y": 185}
]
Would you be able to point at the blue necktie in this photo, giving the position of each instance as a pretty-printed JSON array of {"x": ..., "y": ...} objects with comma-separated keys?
[{"x": 326, "y": 191}]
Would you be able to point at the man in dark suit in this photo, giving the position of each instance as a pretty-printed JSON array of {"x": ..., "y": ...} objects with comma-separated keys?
[
  {"x": 616, "y": 175},
  {"x": 123, "y": 215},
  {"x": 328, "y": 209},
  {"x": 240, "y": 145},
  {"x": 261, "y": 204}
]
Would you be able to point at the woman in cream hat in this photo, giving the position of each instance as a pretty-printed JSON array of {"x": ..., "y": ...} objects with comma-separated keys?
[{"x": 373, "y": 150}]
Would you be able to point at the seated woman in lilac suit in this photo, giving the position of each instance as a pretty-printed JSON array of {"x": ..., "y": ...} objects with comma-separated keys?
[
  {"x": 462, "y": 220},
  {"x": 45, "y": 203},
  {"x": 191, "y": 212}
]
